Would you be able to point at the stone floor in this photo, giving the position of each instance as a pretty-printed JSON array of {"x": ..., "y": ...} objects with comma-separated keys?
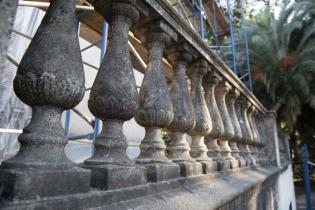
[{"x": 300, "y": 196}]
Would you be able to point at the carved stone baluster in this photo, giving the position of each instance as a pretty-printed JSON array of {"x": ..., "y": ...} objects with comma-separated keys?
[
  {"x": 237, "y": 138},
  {"x": 113, "y": 99},
  {"x": 228, "y": 131},
  {"x": 180, "y": 55},
  {"x": 242, "y": 141},
  {"x": 271, "y": 136},
  {"x": 203, "y": 123},
  {"x": 214, "y": 151},
  {"x": 155, "y": 111},
  {"x": 257, "y": 139},
  {"x": 50, "y": 79},
  {"x": 253, "y": 138},
  {"x": 243, "y": 105},
  {"x": 262, "y": 134}
]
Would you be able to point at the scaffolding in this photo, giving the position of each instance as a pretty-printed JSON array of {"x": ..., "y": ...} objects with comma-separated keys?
[{"x": 215, "y": 20}]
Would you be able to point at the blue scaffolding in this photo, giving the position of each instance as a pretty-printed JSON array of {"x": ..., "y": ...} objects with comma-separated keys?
[
  {"x": 96, "y": 123},
  {"x": 240, "y": 55}
]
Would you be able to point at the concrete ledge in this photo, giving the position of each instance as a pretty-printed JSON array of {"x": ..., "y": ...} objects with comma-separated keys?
[{"x": 200, "y": 192}]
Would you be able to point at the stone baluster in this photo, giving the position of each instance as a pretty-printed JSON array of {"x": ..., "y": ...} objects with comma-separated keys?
[
  {"x": 50, "y": 79},
  {"x": 155, "y": 104},
  {"x": 271, "y": 138},
  {"x": 257, "y": 144},
  {"x": 242, "y": 141},
  {"x": 203, "y": 123},
  {"x": 180, "y": 55},
  {"x": 243, "y": 105},
  {"x": 253, "y": 138},
  {"x": 237, "y": 138},
  {"x": 262, "y": 135},
  {"x": 214, "y": 151},
  {"x": 228, "y": 131},
  {"x": 113, "y": 99}
]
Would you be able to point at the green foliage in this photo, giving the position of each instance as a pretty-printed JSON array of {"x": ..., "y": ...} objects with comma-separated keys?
[{"x": 282, "y": 54}]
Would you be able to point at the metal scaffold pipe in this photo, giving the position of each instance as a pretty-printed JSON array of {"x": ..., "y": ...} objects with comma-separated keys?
[{"x": 40, "y": 4}]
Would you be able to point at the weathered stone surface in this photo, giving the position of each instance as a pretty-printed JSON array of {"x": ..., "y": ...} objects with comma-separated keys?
[
  {"x": 110, "y": 177},
  {"x": 257, "y": 143},
  {"x": 113, "y": 99},
  {"x": 158, "y": 172},
  {"x": 214, "y": 151},
  {"x": 180, "y": 55},
  {"x": 231, "y": 97},
  {"x": 50, "y": 79},
  {"x": 262, "y": 137},
  {"x": 253, "y": 136},
  {"x": 188, "y": 168},
  {"x": 203, "y": 122},
  {"x": 155, "y": 105},
  {"x": 8, "y": 9},
  {"x": 220, "y": 94},
  {"x": 244, "y": 105},
  {"x": 33, "y": 183},
  {"x": 270, "y": 136},
  {"x": 199, "y": 192}
]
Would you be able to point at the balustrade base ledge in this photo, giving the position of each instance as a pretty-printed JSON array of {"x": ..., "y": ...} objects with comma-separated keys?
[
  {"x": 209, "y": 166},
  {"x": 209, "y": 191},
  {"x": 223, "y": 165},
  {"x": 234, "y": 163},
  {"x": 188, "y": 169},
  {"x": 157, "y": 172},
  {"x": 242, "y": 163},
  {"x": 26, "y": 184},
  {"x": 110, "y": 177}
]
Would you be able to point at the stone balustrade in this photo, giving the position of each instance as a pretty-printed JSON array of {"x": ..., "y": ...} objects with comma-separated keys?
[{"x": 225, "y": 121}]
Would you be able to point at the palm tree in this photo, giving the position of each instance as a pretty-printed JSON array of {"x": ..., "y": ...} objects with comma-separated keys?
[{"x": 282, "y": 54}]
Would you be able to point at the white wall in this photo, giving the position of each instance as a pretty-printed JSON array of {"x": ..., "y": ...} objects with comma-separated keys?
[{"x": 286, "y": 190}]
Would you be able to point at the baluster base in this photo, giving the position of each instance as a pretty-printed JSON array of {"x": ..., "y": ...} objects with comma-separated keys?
[
  {"x": 157, "y": 172},
  {"x": 110, "y": 176},
  {"x": 28, "y": 184},
  {"x": 242, "y": 162},
  {"x": 222, "y": 164},
  {"x": 234, "y": 163},
  {"x": 208, "y": 166},
  {"x": 253, "y": 161},
  {"x": 188, "y": 169}
]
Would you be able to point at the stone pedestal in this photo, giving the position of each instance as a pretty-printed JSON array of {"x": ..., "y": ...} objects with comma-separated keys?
[
  {"x": 190, "y": 168},
  {"x": 158, "y": 172},
  {"x": 110, "y": 177},
  {"x": 28, "y": 184}
]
